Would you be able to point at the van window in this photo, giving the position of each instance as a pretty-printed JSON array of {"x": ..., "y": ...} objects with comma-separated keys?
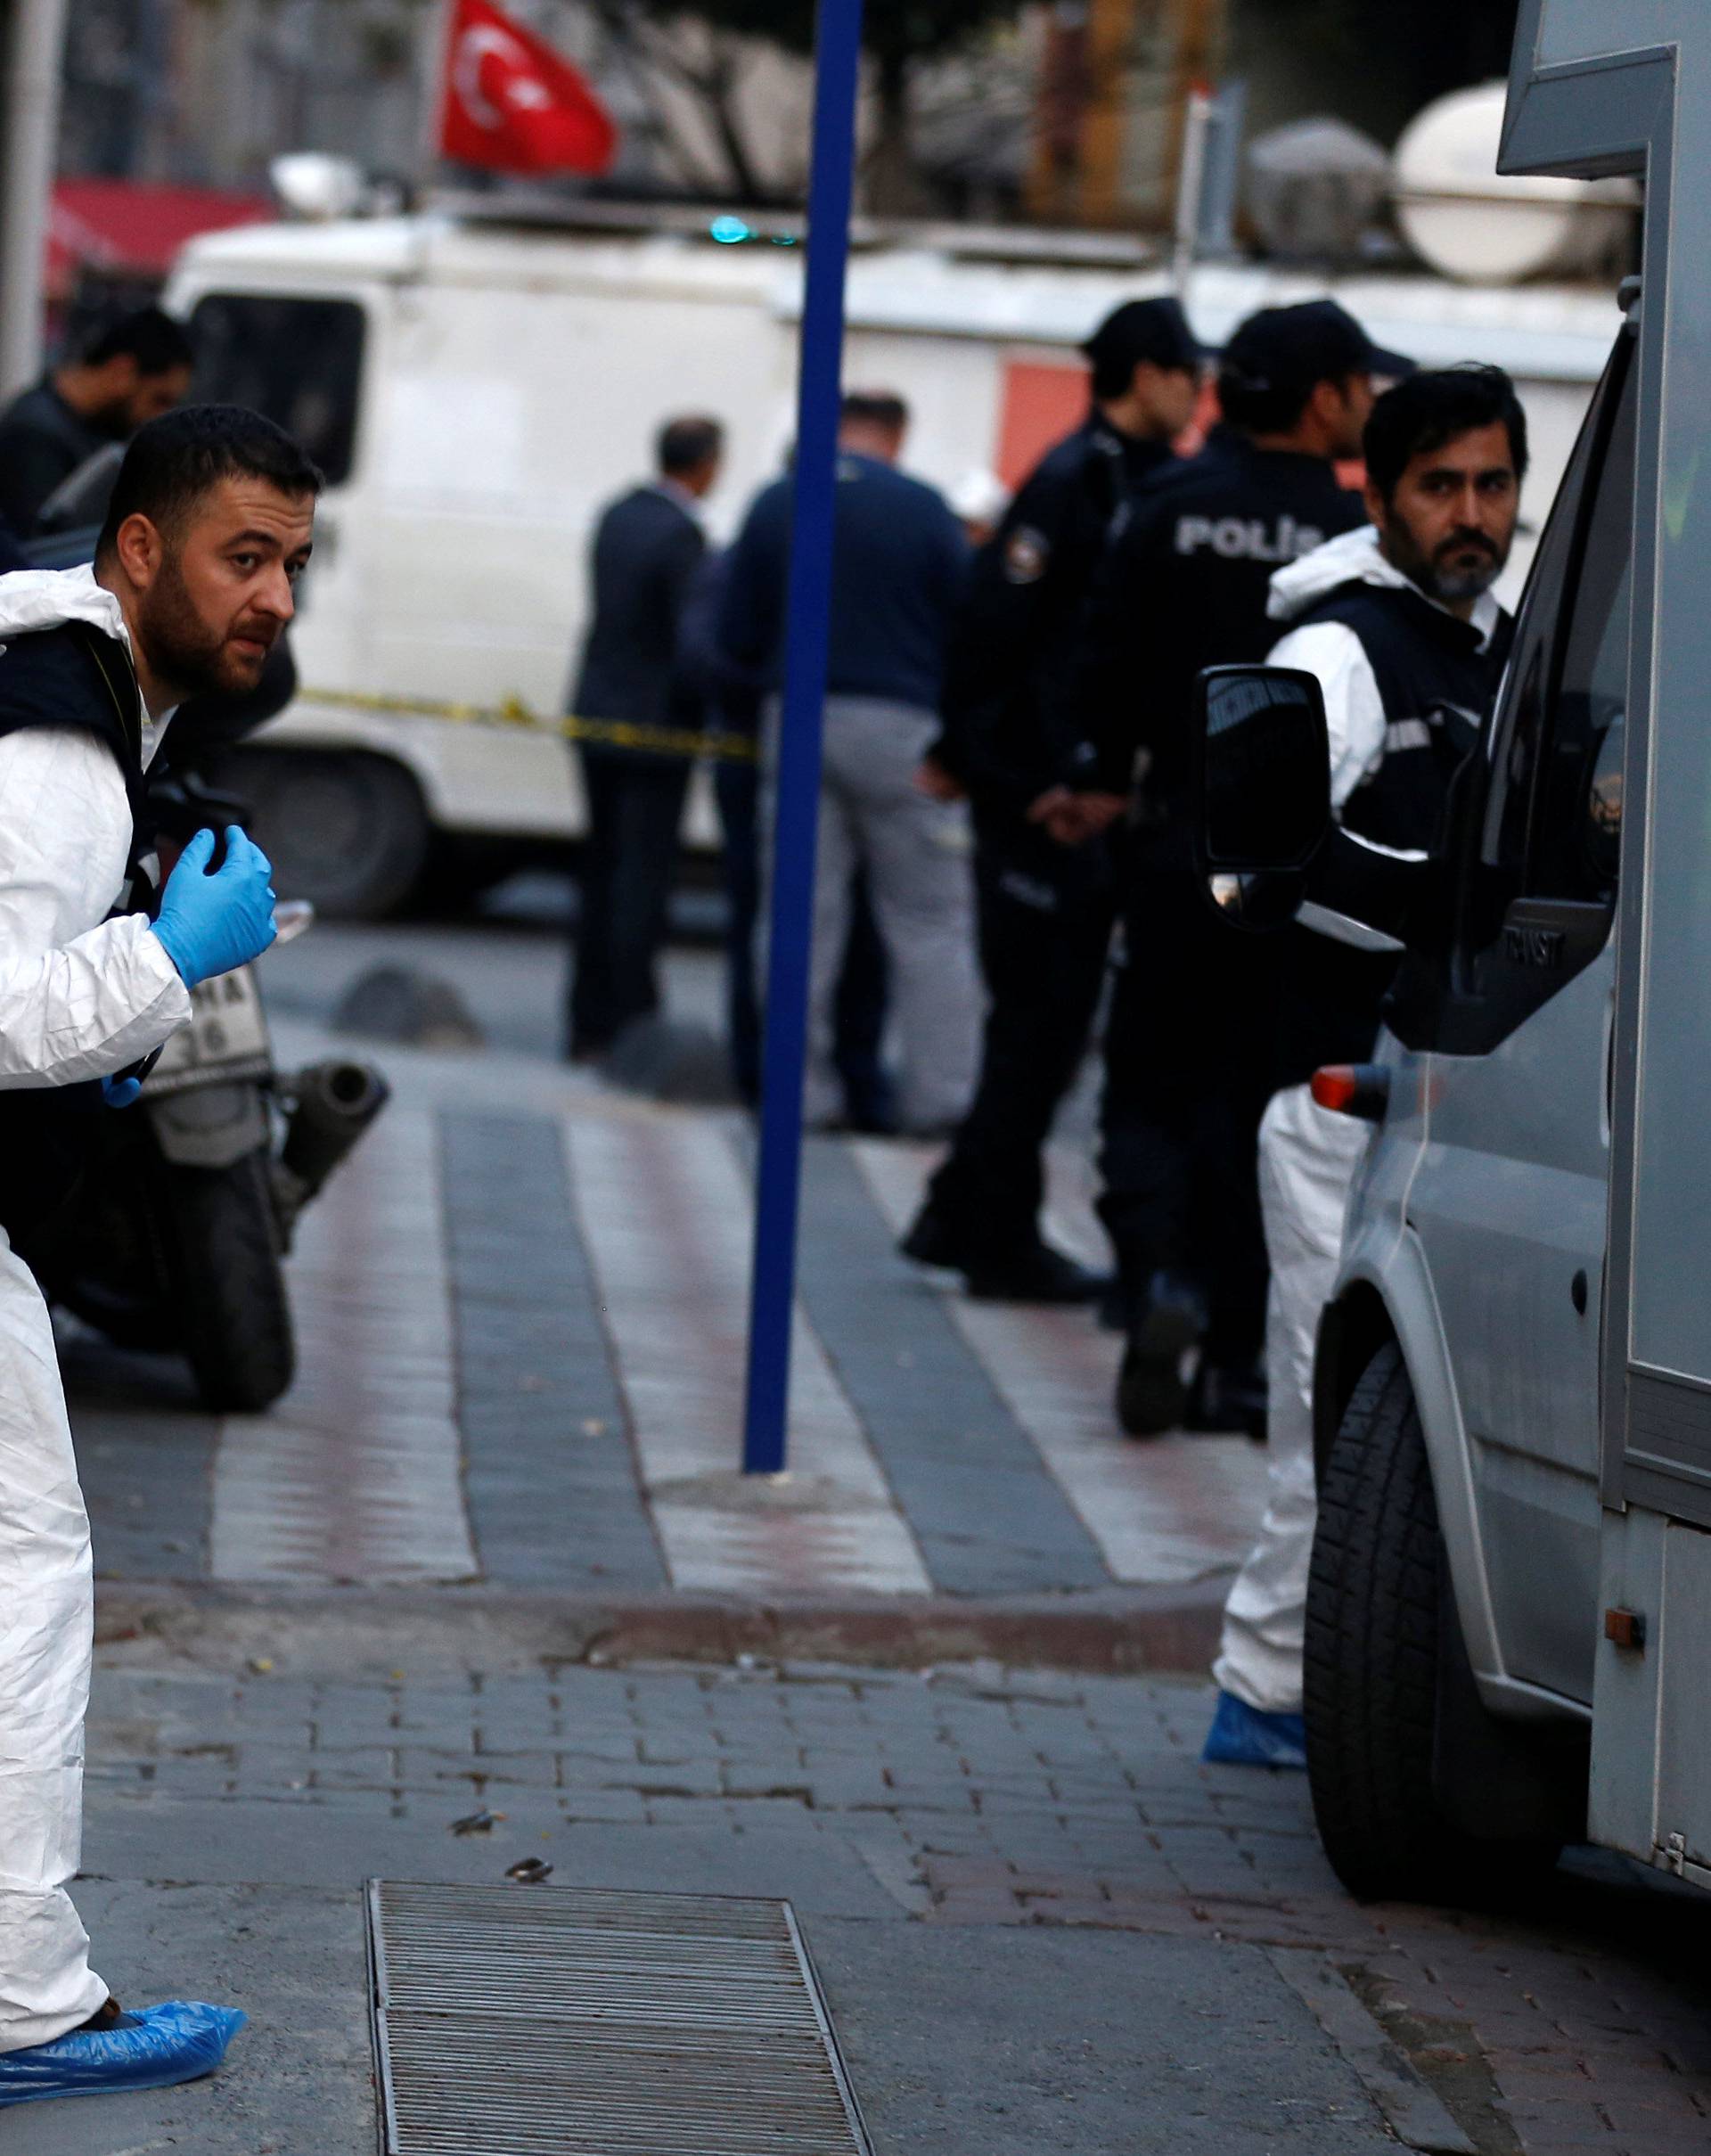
[
  {"x": 1578, "y": 807},
  {"x": 1539, "y": 908},
  {"x": 1569, "y": 679},
  {"x": 297, "y": 361}
]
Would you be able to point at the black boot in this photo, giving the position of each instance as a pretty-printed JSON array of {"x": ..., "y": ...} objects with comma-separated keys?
[
  {"x": 937, "y": 1236},
  {"x": 1151, "y": 1396}
]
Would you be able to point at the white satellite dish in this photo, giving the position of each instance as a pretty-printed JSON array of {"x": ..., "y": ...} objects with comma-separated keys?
[
  {"x": 1467, "y": 222},
  {"x": 313, "y": 185}
]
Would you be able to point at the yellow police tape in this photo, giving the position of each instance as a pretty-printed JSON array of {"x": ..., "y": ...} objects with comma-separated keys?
[{"x": 513, "y": 712}]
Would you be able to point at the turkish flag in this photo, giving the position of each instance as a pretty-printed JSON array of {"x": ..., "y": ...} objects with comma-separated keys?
[{"x": 513, "y": 105}]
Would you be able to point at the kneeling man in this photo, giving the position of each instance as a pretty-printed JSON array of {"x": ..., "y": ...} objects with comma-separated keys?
[{"x": 208, "y": 526}]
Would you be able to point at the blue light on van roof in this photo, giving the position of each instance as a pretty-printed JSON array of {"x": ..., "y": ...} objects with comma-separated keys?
[{"x": 729, "y": 231}]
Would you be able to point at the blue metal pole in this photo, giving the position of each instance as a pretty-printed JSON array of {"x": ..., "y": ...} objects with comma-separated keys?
[{"x": 773, "y": 1295}]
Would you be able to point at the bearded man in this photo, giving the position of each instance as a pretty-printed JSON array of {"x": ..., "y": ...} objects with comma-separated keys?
[
  {"x": 208, "y": 526},
  {"x": 1399, "y": 623}
]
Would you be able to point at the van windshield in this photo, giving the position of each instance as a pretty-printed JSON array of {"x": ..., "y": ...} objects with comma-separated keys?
[{"x": 299, "y": 362}]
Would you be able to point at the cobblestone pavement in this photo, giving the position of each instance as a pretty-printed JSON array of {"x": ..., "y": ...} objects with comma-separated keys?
[
  {"x": 1042, "y": 1924},
  {"x": 522, "y": 1313},
  {"x": 905, "y": 1814}
]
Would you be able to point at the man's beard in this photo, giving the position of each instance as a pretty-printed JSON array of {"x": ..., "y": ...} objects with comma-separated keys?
[
  {"x": 182, "y": 650},
  {"x": 1438, "y": 574}
]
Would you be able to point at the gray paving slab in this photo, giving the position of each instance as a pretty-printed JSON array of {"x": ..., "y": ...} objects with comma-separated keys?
[
  {"x": 987, "y": 1515},
  {"x": 298, "y": 2082},
  {"x": 1102, "y": 2046},
  {"x": 549, "y": 1476},
  {"x": 145, "y": 1454}
]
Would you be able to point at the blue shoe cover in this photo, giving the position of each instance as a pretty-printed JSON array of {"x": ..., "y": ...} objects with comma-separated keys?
[
  {"x": 1241, "y": 1736},
  {"x": 154, "y": 2047}
]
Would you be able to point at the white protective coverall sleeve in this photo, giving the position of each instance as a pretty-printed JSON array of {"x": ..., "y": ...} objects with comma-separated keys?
[
  {"x": 79, "y": 998},
  {"x": 1353, "y": 708},
  {"x": 1307, "y": 1160}
]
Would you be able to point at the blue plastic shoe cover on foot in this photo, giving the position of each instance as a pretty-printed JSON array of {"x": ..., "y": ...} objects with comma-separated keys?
[
  {"x": 1241, "y": 1736},
  {"x": 154, "y": 2047}
]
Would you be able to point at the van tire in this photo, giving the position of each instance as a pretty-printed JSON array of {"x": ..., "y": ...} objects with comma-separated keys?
[
  {"x": 1375, "y": 1622},
  {"x": 349, "y": 831}
]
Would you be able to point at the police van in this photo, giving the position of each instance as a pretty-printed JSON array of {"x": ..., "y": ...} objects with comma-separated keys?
[
  {"x": 1509, "y": 1614},
  {"x": 476, "y": 381}
]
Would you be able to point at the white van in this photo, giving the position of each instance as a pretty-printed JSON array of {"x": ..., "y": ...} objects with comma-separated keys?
[
  {"x": 475, "y": 390},
  {"x": 1510, "y": 1613}
]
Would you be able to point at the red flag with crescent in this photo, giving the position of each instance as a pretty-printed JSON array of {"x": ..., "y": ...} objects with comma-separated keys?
[{"x": 513, "y": 105}]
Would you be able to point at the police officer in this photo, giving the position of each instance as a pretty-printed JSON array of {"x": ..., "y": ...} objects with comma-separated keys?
[
  {"x": 1013, "y": 740},
  {"x": 1188, "y": 1045}
]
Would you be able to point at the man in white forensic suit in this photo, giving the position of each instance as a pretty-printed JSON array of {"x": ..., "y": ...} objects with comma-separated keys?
[{"x": 210, "y": 525}]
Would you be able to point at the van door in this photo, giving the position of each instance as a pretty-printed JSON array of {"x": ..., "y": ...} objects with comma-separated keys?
[{"x": 1510, "y": 1198}]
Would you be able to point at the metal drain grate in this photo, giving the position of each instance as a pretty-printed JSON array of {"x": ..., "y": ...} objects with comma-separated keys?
[{"x": 516, "y": 2021}]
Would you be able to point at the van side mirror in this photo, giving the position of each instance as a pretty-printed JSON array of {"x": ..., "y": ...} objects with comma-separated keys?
[{"x": 1264, "y": 788}]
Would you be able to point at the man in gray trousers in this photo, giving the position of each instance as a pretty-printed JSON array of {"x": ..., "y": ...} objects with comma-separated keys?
[{"x": 899, "y": 562}]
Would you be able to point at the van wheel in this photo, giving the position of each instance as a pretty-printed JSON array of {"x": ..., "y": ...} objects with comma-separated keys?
[
  {"x": 349, "y": 831},
  {"x": 1374, "y": 1632}
]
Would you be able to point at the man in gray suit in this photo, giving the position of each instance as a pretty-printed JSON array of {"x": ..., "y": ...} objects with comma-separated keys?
[{"x": 647, "y": 547}]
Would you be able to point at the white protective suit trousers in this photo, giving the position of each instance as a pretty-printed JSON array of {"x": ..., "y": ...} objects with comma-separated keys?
[
  {"x": 1307, "y": 1160},
  {"x": 46, "y": 1636}
]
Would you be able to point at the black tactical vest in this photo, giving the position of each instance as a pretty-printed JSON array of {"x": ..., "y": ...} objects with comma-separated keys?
[
  {"x": 1436, "y": 686},
  {"x": 72, "y": 677}
]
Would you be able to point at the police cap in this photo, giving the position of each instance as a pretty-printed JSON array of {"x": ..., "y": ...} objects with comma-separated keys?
[
  {"x": 1156, "y": 329},
  {"x": 1281, "y": 353}
]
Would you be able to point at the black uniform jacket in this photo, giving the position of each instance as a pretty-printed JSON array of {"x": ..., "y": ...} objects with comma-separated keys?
[
  {"x": 1185, "y": 586},
  {"x": 1011, "y": 728}
]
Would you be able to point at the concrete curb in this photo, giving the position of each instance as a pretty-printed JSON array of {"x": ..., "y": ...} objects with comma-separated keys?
[{"x": 349, "y": 1631}]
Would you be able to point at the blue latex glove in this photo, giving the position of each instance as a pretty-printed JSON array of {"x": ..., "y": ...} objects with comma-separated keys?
[
  {"x": 208, "y": 924},
  {"x": 119, "y": 1092}
]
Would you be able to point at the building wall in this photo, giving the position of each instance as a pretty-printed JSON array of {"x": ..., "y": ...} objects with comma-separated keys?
[{"x": 211, "y": 91}]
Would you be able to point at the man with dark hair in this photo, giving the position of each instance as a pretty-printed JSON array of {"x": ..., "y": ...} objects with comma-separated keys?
[
  {"x": 647, "y": 547},
  {"x": 1187, "y": 1043},
  {"x": 1398, "y": 622},
  {"x": 684, "y": 449},
  {"x": 1013, "y": 738},
  {"x": 130, "y": 374},
  {"x": 898, "y": 561},
  {"x": 191, "y": 589},
  {"x": 881, "y": 411}
]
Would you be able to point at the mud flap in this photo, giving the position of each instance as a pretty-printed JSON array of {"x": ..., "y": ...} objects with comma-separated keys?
[{"x": 1498, "y": 1780}]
